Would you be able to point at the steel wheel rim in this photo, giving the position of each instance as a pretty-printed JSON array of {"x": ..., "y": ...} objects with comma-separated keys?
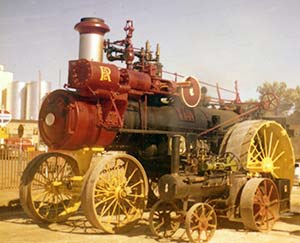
[
  {"x": 118, "y": 195},
  {"x": 201, "y": 222},
  {"x": 50, "y": 195},
  {"x": 164, "y": 219},
  {"x": 260, "y": 204}
]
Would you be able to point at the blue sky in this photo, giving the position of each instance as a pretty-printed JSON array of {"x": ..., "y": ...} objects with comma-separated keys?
[{"x": 251, "y": 41}]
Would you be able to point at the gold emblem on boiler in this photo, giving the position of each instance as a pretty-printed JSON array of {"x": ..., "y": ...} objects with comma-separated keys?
[{"x": 105, "y": 74}]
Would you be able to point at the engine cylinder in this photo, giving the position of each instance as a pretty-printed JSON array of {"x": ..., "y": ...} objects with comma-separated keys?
[{"x": 174, "y": 186}]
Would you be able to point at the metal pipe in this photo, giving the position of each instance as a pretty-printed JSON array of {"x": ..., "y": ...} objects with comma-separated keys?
[{"x": 175, "y": 154}]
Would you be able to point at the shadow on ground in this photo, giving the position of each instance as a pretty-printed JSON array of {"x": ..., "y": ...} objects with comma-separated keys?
[{"x": 78, "y": 224}]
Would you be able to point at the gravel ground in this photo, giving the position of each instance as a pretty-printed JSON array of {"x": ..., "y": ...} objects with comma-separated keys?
[{"x": 16, "y": 227}]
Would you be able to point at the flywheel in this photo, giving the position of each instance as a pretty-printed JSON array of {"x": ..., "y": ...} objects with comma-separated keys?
[{"x": 261, "y": 146}]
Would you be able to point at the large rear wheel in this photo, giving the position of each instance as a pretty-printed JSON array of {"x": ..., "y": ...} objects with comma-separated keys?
[{"x": 262, "y": 147}]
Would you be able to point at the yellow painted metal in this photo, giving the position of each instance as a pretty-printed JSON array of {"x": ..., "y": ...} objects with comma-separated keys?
[
  {"x": 262, "y": 147},
  {"x": 115, "y": 193},
  {"x": 83, "y": 158},
  {"x": 50, "y": 187}
]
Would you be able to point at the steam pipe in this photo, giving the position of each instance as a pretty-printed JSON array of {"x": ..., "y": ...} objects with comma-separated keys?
[{"x": 175, "y": 154}]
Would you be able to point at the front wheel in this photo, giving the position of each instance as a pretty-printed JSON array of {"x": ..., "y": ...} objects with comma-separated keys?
[
  {"x": 201, "y": 223},
  {"x": 48, "y": 191},
  {"x": 115, "y": 193},
  {"x": 164, "y": 219}
]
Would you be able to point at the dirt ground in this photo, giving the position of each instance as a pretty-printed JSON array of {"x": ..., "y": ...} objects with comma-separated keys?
[{"x": 16, "y": 227}]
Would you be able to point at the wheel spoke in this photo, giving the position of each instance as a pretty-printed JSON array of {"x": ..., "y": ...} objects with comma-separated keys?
[
  {"x": 195, "y": 214},
  {"x": 44, "y": 176},
  {"x": 278, "y": 156},
  {"x": 123, "y": 209},
  {"x": 104, "y": 210},
  {"x": 136, "y": 195},
  {"x": 39, "y": 182},
  {"x": 159, "y": 225},
  {"x": 130, "y": 177},
  {"x": 42, "y": 203},
  {"x": 212, "y": 226},
  {"x": 209, "y": 214},
  {"x": 136, "y": 184},
  {"x": 130, "y": 204},
  {"x": 260, "y": 145},
  {"x": 254, "y": 158},
  {"x": 274, "y": 149},
  {"x": 270, "y": 144},
  {"x": 270, "y": 192},
  {"x": 274, "y": 202},
  {"x": 259, "y": 153},
  {"x": 103, "y": 201},
  {"x": 194, "y": 228},
  {"x": 265, "y": 143}
]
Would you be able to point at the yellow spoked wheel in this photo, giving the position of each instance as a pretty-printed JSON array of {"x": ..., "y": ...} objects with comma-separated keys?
[
  {"x": 48, "y": 190},
  {"x": 201, "y": 223},
  {"x": 261, "y": 146},
  {"x": 259, "y": 204},
  {"x": 115, "y": 193}
]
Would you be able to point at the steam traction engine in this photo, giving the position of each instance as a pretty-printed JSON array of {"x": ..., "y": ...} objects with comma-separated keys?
[{"x": 114, "y": 131}]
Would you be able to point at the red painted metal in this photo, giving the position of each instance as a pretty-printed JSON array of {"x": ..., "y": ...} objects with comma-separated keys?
[
  {"x": 66, "y": 121},
  {"x": 93, "y": 114},
  {"x": 92, "y": 78},
  {"x": 191, "y": 94},
  {"x": 92, "y": 25},
  {"x": 136, "y": 80}
]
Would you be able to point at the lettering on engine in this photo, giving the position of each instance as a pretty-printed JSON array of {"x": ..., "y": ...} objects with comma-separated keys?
[{"x": 105, "y": 74}]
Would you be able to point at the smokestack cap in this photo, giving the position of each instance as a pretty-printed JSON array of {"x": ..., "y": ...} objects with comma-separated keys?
[{"x": 92, "y": 25}]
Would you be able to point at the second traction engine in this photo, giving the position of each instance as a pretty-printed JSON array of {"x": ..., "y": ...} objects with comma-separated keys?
[{"x": 200, "y": 159}]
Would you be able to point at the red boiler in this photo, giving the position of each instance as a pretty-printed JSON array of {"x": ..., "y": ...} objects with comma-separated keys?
[{"x": 65, "y": 121}]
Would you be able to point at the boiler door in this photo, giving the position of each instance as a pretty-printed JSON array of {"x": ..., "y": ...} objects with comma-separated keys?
[{"x": 65, "y": 122}]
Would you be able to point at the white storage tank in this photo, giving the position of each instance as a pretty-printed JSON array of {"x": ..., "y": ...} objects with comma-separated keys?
[
  {"x": 15, "y": 99},
  {"x": 36, "y": 91},
  {"x": 5, "y": 79}
]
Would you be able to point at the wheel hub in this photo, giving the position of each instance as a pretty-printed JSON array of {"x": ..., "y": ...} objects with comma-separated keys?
[
  {"x": 203, "y": 223},
  {"x": 52, "y": 187},
  {"x": 267, "y": 164},
  {"x": 120, "y": 193}
]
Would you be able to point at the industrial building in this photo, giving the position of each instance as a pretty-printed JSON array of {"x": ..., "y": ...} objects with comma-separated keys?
[{"x": 22, "y": 100}]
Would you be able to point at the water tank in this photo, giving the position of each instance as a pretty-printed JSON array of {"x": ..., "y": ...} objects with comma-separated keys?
[
  {"x": 15, "y": 99},
  {"x": 36, "y": 91}
]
